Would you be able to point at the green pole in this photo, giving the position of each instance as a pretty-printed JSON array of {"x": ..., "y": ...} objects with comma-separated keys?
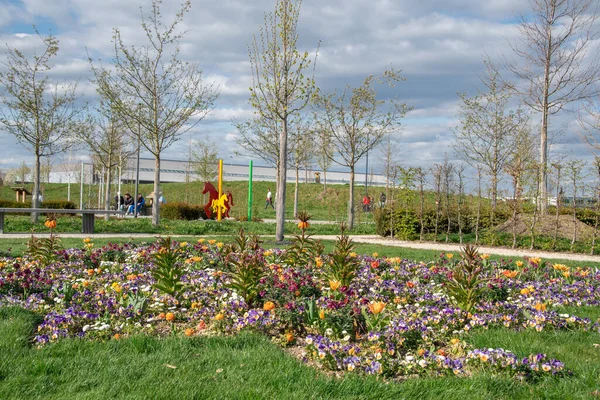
[{"x": 250, "y": 191}]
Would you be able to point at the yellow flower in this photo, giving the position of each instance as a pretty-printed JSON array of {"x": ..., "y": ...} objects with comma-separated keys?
[
  {"x": 519, "y": 263},
  {"x": 183, "y": 244},
  {"x": 334, "y": 284},
  {"x": 87, "y": 240},
  {"x": 220, "y": 244},
  {"x": 116, "y": 287},
  {"x": 201, "y": 240},
  {"x": 454, "y": 341},
  {"x": 525, "y": 291},
  {"x": 376, "y": 306},
  {"x": 219, "y": 317},
  {"x": 322, "y": 314},
  {"x": 353, "y": 254},
  {"x": 483, "y": 357},
  {"x": 375, "y": 255},
  {"x": 566, "y": 274},
  {"x": 485, "y": 256},
  {"x": 268, "y": 253},
  {"x": 212, "y": 241},
  {"x": 189, "y": 331},
  {"x": 268, "y": 306},
  {"x": 449, "y": 256},
  {"x": 540, "y": 307},
  {"x": 560, "y": 267},
  {"x": 319, "y": 262},
  {"x": 170, "y": 317},
  {"x": 2, "y": 265},
  {"x": 535, "y": 260}
]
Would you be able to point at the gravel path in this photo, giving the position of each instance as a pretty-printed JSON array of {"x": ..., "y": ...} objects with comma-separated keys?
[{"x": 370, "y": 239}]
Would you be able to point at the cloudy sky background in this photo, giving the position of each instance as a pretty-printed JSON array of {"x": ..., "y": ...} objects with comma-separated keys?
[{"x": 438, "y": 46}]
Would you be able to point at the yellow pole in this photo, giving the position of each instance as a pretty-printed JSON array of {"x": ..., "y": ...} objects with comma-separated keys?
[{"x": 220, "y": 188}]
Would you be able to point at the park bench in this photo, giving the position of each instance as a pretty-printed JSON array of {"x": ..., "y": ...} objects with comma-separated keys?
[{"x": 87, "y": 216}]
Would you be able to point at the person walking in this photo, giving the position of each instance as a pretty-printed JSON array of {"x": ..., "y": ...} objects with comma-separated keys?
[
  {"x": 269, "y": 201},
  {"x": 382, "y": 199}
]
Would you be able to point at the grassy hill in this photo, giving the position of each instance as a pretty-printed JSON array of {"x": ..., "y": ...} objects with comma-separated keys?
[{"x": 330, "y": 206}]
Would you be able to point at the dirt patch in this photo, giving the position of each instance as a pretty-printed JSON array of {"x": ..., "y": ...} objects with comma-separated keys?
[{"x": 546, "y": 225}]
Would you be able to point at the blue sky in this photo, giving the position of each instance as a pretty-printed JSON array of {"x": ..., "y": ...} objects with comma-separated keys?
[{"x": 438, "y": 46}]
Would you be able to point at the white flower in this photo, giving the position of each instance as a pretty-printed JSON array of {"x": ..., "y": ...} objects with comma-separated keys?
[
  {"x": 329, "y": 332},
  {"x": 422, "y": 363},
  {"x": 409, "y": 358},
  {"x": 86, "y": 328}
]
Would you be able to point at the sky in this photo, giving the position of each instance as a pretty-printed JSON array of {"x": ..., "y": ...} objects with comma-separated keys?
[{"x": 439, "y": 47}]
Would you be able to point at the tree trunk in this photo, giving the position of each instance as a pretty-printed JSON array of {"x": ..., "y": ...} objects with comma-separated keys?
[
  {"x": 351, "y": 200},
  {"x": 155, "y": 203},
  {"x": 296, "y": 193},
  {"x": 324, "y": 181},
  {"x": 35, "y": 200},
  {"x": 107, "y": 191},
  {"x": 281, "y": 183}
]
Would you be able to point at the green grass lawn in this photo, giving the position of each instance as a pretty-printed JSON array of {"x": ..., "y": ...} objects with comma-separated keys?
[{"x": 248, "y": 366}]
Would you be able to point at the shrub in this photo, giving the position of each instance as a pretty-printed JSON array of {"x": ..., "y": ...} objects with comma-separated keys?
[{"x": 183, "y": 211}]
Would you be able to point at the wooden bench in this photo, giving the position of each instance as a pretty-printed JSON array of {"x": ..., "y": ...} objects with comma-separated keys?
[{"x": 87, "y": 216}]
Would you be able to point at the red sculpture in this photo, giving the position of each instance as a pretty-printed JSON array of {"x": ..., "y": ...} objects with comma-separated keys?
[{"x": 214, "y": 197}]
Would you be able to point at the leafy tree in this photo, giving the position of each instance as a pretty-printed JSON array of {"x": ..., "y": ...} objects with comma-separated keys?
[
  {"x": 556, "y": 63},
  {"x": 280, "y": 89},
  {"x": 41, "y": 113},
  {"x": 357, "y": 122},
  {"x": 156, "y": 94}
]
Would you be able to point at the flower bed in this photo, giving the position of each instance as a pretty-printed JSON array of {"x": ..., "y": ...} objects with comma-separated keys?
[{"x": 365, "y": 314}]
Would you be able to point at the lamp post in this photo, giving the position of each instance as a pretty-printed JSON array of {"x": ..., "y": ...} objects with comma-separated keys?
[{"x": 137, "y": 170}]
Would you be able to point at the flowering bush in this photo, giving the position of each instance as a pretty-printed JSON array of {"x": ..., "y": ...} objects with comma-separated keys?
[{"x": 367, "y": 314}]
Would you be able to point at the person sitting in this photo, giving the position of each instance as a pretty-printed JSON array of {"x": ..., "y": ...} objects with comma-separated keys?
[
  {"x": 119, "y": 202},
  {"x": 128, "y": 205},
  {"x": 140, "y": 204}
]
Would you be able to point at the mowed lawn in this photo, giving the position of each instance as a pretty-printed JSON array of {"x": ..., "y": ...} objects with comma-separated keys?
[{"x": 250, "y": 367}]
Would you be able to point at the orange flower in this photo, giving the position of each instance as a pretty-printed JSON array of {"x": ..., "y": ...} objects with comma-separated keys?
[
  {"x": 334, "y": 284},
  {"x": 170, "y": 317},
  {"x": 219, "y": 317},
  {"x": 268, "y": 306},
  {"x": 442, "y": 352},
  {"x": 375, "y": 264},
  {"x": 50, "y": 223},
  {"x": 161, "y": 315},
  {"x": 525, "y": 291},
  {"x": 485, "y": 256},
  {"x": 420, "y": 352},
  {"x": 540, "y": 307},
  {"x": 449, "y": 256},
  {"x": 117, "y": 336},
  {"x": 85, "y": 283},
  {"x": 376, "y": 306},
  {"x": 410, "y": 284},
  {"x": 322, "y": 314},
  {"x": 201, "y": 326},
  {"x": 189, "y": 332},
  {"x": 509, "y": 274},
  {"x": 303, "y": 225},
  {"x": 289, "y": 337}
]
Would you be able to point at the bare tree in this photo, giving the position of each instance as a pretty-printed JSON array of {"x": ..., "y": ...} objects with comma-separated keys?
[
  {"x": 486, "y": 128},
  {"x": 460, "y": 174},
  {"x": 438, "y": 175},
  {"x": 157, "y": 95},
  {"x": 556, "y": 66},
  {"x": 574, "y": 170},
  {"x": 357, "y": 122},
  {"x": 323, "y": 154},
  {"x": 280, "y": 89},
  {"x": 302, "y": 140},
  {"x": 389, "y": 155},
  {"x": 39, "y": 112},
  {"x": 558, "y": 168},
  {"x": 106, "y": 139},
  {"x": 421, "y": 176},
  {"x": 519, "y": 162},
  {"x": 597, "y": 217}
]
